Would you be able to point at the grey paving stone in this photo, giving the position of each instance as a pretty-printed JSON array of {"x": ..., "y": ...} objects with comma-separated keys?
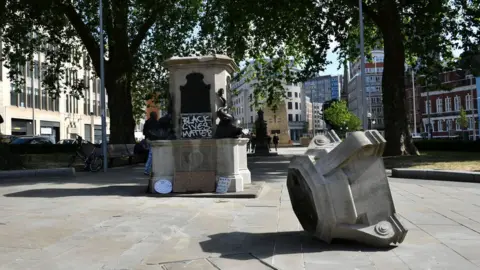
[
  {"x": 200, "y": 264},
  {"x": 240, "y": 262}
]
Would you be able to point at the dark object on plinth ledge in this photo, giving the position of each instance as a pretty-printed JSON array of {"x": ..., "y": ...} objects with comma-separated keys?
[{"x": 226, "y": 128}]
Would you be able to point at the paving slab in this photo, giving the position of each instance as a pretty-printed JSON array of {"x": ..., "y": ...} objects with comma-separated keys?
[{"x": 105, "y": 221}]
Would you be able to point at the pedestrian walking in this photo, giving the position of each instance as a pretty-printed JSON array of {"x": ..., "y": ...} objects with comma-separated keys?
[
  {"x": 253, "y": 142},
  {"x": 148, "y": 131},
  {"x": 275, "y": 141}
]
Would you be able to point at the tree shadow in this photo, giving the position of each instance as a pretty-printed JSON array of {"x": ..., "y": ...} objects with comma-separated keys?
[
  {"x": 264, "y": 245},
  {"x": 112, "y": 190}
]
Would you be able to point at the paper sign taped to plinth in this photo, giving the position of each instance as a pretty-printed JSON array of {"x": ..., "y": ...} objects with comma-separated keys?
[{"x": 223, "y": 184}]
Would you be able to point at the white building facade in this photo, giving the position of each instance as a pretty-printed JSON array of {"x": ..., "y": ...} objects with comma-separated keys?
[{"x": 34, "y": 112}]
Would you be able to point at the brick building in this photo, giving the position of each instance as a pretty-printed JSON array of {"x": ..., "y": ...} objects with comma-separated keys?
[{"x": 441, "y": 109}]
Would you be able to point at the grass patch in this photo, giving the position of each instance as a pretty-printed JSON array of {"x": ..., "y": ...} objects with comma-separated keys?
[{"x": 440, "y": 160}]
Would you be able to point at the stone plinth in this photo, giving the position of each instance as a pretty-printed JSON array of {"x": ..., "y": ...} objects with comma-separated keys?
[
  {"x": 196, "y": 165},
  {"x": 346, "y": 194},
  {"x": 194, "y": 82}
]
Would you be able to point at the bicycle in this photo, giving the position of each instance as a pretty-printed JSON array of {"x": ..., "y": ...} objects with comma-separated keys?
[{"x": 92, "y": 162}]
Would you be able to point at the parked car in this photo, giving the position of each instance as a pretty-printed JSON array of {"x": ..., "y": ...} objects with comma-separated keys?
[
  {"x": 67, "y": 141},
  {"x": 33, "y": 140}
]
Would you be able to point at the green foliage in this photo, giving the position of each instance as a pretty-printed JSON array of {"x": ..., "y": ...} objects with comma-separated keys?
[
  {"x": 138, "y": 34},
  {"x": 354, "y": 123},
  {"x": 463, "y": 119},
  {"x": 448, "y": 145},
  {"x": 338, "y": 115}
]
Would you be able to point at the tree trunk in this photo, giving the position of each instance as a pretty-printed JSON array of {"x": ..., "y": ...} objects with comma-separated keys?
[
  {"x": 397, "y": 132},
  {"x": 122, "y": 124}
]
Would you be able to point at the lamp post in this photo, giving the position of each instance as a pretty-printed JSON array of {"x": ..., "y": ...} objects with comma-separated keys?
[
  {"x": 102, "y": 90},
  {"x": 362, "y": 65}
]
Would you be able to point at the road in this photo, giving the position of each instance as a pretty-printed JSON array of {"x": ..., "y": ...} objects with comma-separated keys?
[{"x": 105, "y": 221}]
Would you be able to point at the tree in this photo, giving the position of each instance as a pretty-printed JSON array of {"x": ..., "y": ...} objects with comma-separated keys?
[
  {"x": 138, "y": 36},
  {"x": 463, "y": 120},
  {"x": 354, "y": 123},
  {"x": 338, "y": 116},
  {"x": 423, "y": 32}
]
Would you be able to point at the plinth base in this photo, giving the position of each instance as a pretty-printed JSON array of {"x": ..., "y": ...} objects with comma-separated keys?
[{"x": 196, "y": 166}]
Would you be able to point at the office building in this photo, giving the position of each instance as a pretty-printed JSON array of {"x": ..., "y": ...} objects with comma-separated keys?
[
  {"x": 370, "y": 109},
  {"x": 32, "y": 111},
  {"x": 288, "y": 121}
]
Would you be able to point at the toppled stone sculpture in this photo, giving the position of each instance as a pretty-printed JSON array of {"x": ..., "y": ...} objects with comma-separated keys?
[
  {"x": 345, "y": 193},
  {"x": 322, "y": 144}
]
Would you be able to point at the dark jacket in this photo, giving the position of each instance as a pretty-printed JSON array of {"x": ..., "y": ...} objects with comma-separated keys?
[
  {"x": 150, "y": 125},
  {"x": 275, "y": 139}
]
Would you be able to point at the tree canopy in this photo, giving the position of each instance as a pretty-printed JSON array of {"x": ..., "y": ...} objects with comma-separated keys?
[
  {"x": 338, "y": 116},
  {"x": 139, "y": 34}
]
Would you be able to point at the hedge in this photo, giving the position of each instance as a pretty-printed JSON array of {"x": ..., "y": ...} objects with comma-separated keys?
[
  {"x": 448, "y": 145},
  {"x": 22, "y": 149}
]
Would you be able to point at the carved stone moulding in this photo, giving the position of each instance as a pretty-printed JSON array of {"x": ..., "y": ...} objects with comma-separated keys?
[{"x": 345, "y": 194}]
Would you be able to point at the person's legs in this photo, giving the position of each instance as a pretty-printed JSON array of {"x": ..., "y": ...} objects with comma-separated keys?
[
  {"x": 148, "y": 164},
  {"x": 276, "y": 147}
]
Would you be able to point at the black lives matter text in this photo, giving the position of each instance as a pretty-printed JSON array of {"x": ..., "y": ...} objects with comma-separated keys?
[{"x": 196, "y": 126}]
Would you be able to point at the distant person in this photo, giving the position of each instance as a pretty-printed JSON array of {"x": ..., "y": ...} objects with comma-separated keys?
[
  {"x": 148, "y": 131},
  {"x": 253, "y": 140},
  {"x": 249, "y": 143},
  {"x": 142, "y": 148},
  {"x": 269, "y": 142},
  {"x": 275, "y": 141}
]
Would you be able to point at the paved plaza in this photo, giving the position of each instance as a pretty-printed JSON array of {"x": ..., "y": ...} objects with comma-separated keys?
[{"x": 105, "y": 221}]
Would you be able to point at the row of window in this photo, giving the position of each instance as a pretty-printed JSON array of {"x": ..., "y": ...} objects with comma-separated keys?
[
  {"x": 446, "y": 104},
  {"x": 43, "y": 101},
  {"x": 447, "y": 125},
  {"x": 290, "y": 106},
  {"x": 297, "y": 117},
  {"x": 289, "y": 94}
]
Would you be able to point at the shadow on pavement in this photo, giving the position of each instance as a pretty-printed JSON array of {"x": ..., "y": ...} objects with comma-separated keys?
[
  {"x": 130, "y": 181},
  {"x": 113, "y": 190},
  {"x": 264, "y": 245}
]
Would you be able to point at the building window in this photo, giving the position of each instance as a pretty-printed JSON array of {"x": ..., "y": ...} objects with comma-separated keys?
[
  {"x": 51, "y": 104},
  {"x": 428, "y": 106},
  {"x": 296, "y": 118},
  {"x": 289, "y": 94},
  {"x": 22, "y": 98},
  {"x": 13, "y": 95},
  {"x": 29, "y": 97},
  {"x": 29, "y": 69},
  {"x": 468, "y": 102},
  {"x": 457, "y": 124},
  {"x": 471, "y": 122},
  {"x": 44, "y": 99},
  {"x": 439, "y": 105},
  {"x": 296, "y": 105},
  {"x": 289, "y": 105},
  {"x": 448, "y": 104},
  {"x": 449, "y": 124},
  {"x": 456, "y": 103},
  {"x": 296, "y": 94},
  {"x": 251, "y": 119},
  {"x": 290, "y": 117},
  {"x": 36, "y": 69},
  {"x": 37, "y": 98}
]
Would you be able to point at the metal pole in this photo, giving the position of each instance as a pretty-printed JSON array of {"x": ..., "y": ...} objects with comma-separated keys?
[
  {"x": 33, "y": 101},
  {"x": 414, "y": 105},
  {"x": 473, "y": 110},
  {"x": 362, "y": 67},
  {"x": 429, "y": 108},
  {"x": 102, "y": 91}
]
